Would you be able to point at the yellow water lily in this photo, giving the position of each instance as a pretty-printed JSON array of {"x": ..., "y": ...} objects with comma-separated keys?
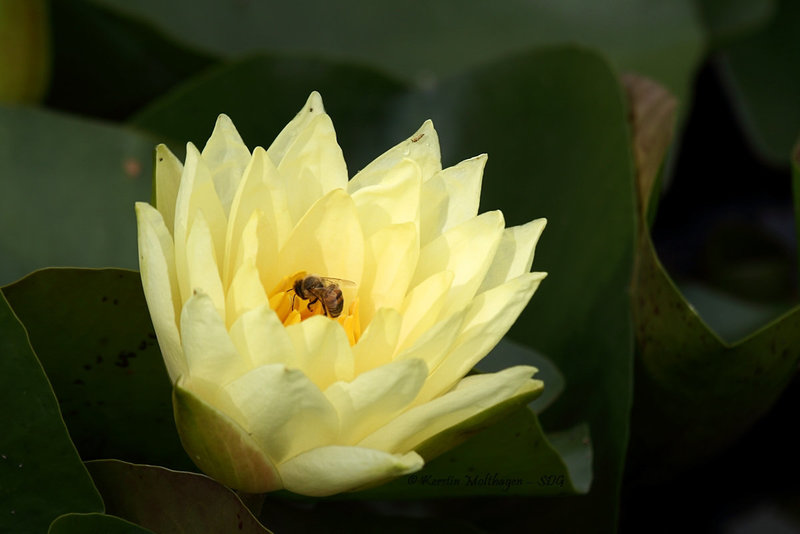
[{"x": 318, "y": 330}]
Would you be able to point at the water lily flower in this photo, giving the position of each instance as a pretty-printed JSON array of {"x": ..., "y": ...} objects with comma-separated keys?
[{"x": 318, "y": 330}]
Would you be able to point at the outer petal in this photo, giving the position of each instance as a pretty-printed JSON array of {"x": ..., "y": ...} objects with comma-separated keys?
[
  {"x": 156, "y": 263},
  {"x": 467, "y": 251},
  {"x": 226, "y": 156},
  {"x": 375, "y": 397},
  {"x": 291, "y": 131},
  {"x": 261, "y": 337},
  {"x": 334, "y": 469},
  {"x": 283, "y": 410},
  {"x": 394, "y": 200},
  {"x": 322, "y": 350},
  {"x": 422, "y": 147},
  {"x": 488, "y": 318},
  {"x": 452, "y": 196},
  {"x": 514, "y": 255},
  {"x": 391, "y": 259},
  {"x": 327, "y": 241},
  {"x": 313, "y": 165},
  {"x": 220, "y": 447},
  {"x": 472, "y": 396},
  {"x": 210, "y": 354},
  {"x": 168, "y": 170},
  {"x": 201, "y": 267}
]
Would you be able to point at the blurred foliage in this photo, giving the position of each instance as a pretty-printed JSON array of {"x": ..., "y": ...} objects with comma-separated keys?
[{"x": 538, "y": 85}]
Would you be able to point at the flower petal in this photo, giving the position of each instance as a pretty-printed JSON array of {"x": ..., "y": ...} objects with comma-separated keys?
[
  {"x": 156, "y": 263},
  {"x": 261, "y": 190},
  {"x": 202, "y": 268},
  {"x": 220, "y": 447},
  {"x": 473, "y": 395},
  {"x": 313, "y": 165},
  {"x": 261, "y": 337},
  {"x": 391, "y": 259},
  {"x": 226, "y": 156},
  {"x": 210, "y": 354},
  {"x": 283, "y": 410},
  {"x": 422, "y": 147},
  {"x": 322, "y": 350},
  {"x": 514, "y": 255},
  {"x": 334, "y": 469},
  {"x": 436, "y": 342},
  {"x": 487, "y": 320},
  {"x": 374, "y": 397},
  {"x": 327, "y": 241},
  {"x": 423, "y": 306},
  {"x": 310, "y": 110},
  {"x": 451, "y": 197},
  {"x": 466, "y": 250},
  {"x": 246, "y": 292},
  {"x": 394, "y": 200},
  {"x": 168, "y": 170},
  {"x": 378, "y": 342}
]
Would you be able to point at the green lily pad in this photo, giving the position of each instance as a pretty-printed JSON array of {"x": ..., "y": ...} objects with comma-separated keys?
[
  {"x": 67, "y": 188},
  {"x": 41, "y": 473},
  {"x": 171, "y": 502},
  {"x": 92, "y": 331},
  {"x": 763, "y": 78},
  {"x": 422, "y": 42},
  {"x": 94, "y": 524},
  {"x": 695, "y": 393}
]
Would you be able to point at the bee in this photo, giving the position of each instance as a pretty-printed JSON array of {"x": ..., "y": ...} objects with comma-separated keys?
[{"x": 327, "y": 291}]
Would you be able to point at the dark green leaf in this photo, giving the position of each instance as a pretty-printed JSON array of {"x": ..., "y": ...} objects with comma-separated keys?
[
  {"x": 170, "y": 502},
  {"x": 108, "y": 65},
  {"x": 67, "y": 189},
  {"x": 764, "y": 80},
  {"x": 94, "y": 524},
  {"x": 41, "y": 473},
  {"x": 92, "y": 331},
  {"x": 422, "y": 41}
]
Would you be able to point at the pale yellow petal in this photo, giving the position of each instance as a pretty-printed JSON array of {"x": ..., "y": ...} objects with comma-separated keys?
[
  {"x": 375, "y": 397},
  {"x": 514, "y": 255},
  {"x": 261, "y": 337},
  {"x": 283, "y": 410},
  {"x": 463, "y": 185},
  {"x": 467, "y": 251},
  {"x": 393, "y": 200},
  {"x": 423, "y": 306},
  {"x": 378, "y": 342},
  {"x": 157, "y": 266},
  {"x": 312, "y": 166},
  {"x": 322, "y": 350},
  {"x": 168, "y": 170},
  {"x": 246, "y": 292},
  {"x": 433, "y": 209},
  {"x": 473, "y": 395},
  {"x": 422, "y": 147},
  {"x": 202, "y": 268},
  {"x": 435, "y": 343},
  {"x": 488, "y": 319},
  {"x": 261, "y": 190},
  {"x": 334, "y": 469},
  {"x": 210, "y": 353},
  {"x": 327, "y": 241},
  {"x": 312, "y": 108},
  {"x": 391, "y": 259},
  {"x": 226, "y": 156}
]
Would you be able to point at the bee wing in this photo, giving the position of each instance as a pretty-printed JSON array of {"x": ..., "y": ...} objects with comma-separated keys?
[{"x": 327, "y": 280}]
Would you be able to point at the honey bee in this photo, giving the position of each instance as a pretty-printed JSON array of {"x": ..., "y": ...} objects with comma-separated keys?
[{"x": 325, "y": 290}]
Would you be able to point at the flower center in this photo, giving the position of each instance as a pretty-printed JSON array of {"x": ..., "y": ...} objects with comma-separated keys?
[{"x": 302, "y": 295}]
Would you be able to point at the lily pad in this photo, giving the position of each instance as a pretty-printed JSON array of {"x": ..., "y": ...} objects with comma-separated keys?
[
  {"x": 42, "y": 474},
  {"x": 97, "y": 345},
  {"x": 67, "y": 188},
  {"x": 695, "y": 393},
  {"x": 94, "y": 524},
  {"x": 171, "y": 502}
]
